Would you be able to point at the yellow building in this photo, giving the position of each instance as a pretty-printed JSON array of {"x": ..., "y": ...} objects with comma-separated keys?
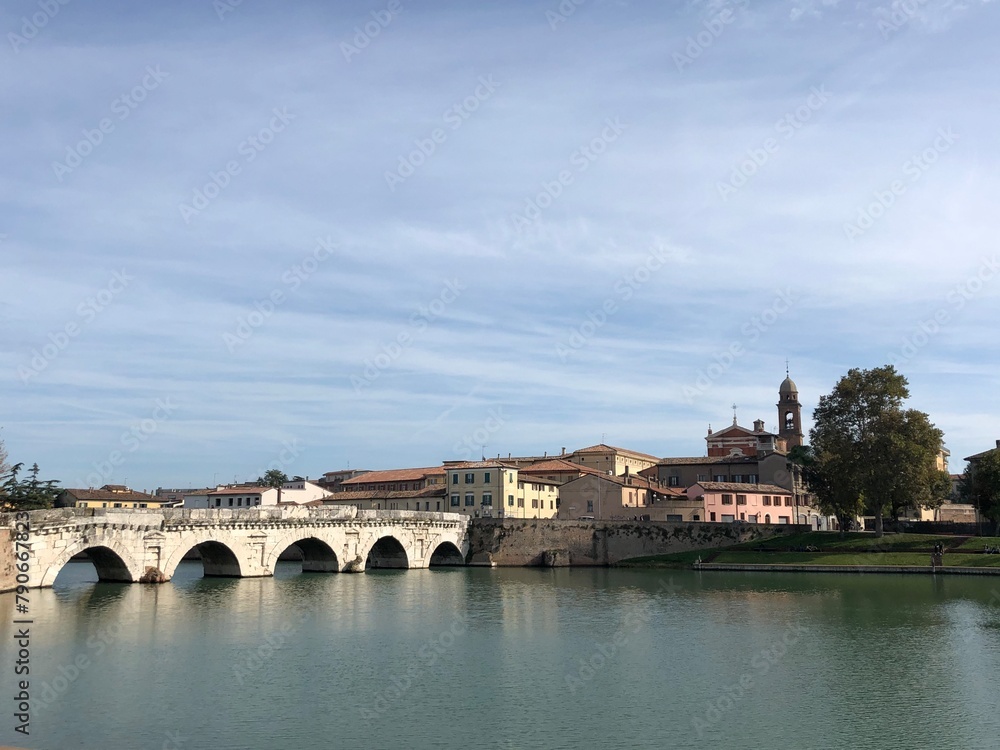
[
  {"x": 110, "y": 496},
  {"x": 608, "y": 459},
  {"x": 495, "y": 489}
]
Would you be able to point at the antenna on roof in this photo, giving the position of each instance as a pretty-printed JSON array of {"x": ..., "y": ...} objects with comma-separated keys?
[
  {"x": 786, "y": 367},
  {"x": 734, "y": 413}
]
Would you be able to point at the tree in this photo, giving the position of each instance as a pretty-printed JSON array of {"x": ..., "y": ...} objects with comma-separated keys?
[
  {"x": 26, "y": 494},
  {"x": 980, "y": 485},
  {"x": 273, "y": 478},
  {"x": 871, "y": 450}
]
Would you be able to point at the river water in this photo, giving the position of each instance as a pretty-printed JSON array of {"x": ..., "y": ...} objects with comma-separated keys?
[{"x": 511, "y": 658}]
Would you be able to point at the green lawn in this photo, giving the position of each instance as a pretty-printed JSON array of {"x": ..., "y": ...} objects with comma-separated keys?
[
  {"x": 980, "y": 542},
  {"x": 833, "y": 541}
]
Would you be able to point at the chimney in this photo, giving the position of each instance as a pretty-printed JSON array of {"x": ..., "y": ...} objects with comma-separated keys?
[
  {"x": 564, "y": 450},
  {"x": 545, "y": 454},
  {"x": 758, "y": 425},
  {"x": 998, "y": 443}
]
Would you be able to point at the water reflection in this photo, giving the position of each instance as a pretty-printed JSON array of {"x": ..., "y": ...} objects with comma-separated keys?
[{"x": 533, "y": 658}]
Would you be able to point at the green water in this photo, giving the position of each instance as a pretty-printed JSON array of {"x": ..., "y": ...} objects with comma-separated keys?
[{"x": 512, "y": 658}]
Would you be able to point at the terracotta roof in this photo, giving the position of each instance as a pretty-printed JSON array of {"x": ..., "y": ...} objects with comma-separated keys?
[
  {"x": 604, "y": 448},
  {"x": 557, "y": 465},
  {"x": 742, "y": 488},
  {"x": 489, "y": 463},
  {"x": 693, "y": 460},
  {"x": 354, "y": 495},
  {"x": 130, "y": 496},
  {"x": 394, "y": 475},
  {"x": 639, "y": 482}
]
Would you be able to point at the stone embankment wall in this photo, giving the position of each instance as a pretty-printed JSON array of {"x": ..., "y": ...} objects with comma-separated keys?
[
  {"x": 8, "y": 573},
  {"x": 518, "y": 542}
]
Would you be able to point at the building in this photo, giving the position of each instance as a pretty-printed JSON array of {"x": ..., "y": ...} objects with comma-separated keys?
[
  {"x": 609, "y": 459},
  {"x": 557, "y": 470},
  {"x": 232, "y": 496},
  {"x": 753, "y": 503},
  {"x": 608, "y": 498},
  {"x": 331, "y": 481},
  {"x": 427, "y": 499},
  {"x": 110, "y": 496},
  {"x": 300, "y": 491},
  {"x": 176, "y": 496},
  {"x": 789, "y": 414},
  {"x": 495, "y": 489},
  {"x": 395, "y": 480}
]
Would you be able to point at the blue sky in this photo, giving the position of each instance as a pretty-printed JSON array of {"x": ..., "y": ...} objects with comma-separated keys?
[{"x": 317, "y": 235}]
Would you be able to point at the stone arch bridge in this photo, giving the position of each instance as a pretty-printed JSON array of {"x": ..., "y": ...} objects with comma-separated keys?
[{"x": 146, "y": 546}]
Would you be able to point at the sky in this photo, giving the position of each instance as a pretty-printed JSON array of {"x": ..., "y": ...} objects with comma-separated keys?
[{"x": 314, "y": 236}]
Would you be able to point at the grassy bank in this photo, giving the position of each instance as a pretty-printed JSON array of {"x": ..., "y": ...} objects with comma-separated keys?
[{"x": 832, "y": 548}]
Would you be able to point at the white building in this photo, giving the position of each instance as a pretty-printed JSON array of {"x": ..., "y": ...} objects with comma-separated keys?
[{"x": 296, "y": 491}]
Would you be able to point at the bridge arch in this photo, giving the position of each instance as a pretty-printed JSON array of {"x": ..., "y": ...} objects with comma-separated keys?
[
  {"x": 113, "y": 561},
  {"x": 387, "y": 552},
  {"x": 318, "y": 554},
  {"x": 446, "y": 553},
  {"x": 217, "y": 558}
]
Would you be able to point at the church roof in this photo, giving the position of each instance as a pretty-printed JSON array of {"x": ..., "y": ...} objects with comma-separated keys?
[{"x": 788, "y": 386}]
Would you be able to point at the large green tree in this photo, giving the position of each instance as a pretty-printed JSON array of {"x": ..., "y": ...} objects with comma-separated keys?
[
  {"x": 273, "y": 478},
  {"x": 30, "y": 493},
  {"x": 869, "y": 451},
  {"x": 980, "y": 485}
]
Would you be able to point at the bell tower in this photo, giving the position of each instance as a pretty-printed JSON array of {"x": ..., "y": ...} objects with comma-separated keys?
[{"x": 789, "y": 413}]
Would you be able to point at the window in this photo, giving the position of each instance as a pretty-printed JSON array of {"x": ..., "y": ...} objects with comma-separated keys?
[
  {"x": 737, "y": 477},
  {"x": 673, "y": 481},
  {"x": 230, "y": 502},
  {"x": 703, "y": 477},
  {"x": 455, "y": 501},
  {"x": 470, "y": 478},
  {"x": 239, "y": 501},
  {"x": 711, "y": 516},
  {"x": 218, "y": 502},
  {"x": 557, "y": 502},
  {"x": 487, "y": 498},
  {"x": 520, "y": 502},
  {"x": 427, "y": 505},
  {"x": 765, "y": 500},
  {"x": 470, "y": 498},
  {"x": 486, "y": 477},
  {"x": 674, "y": 519},
  {"x": 590, "y": 506},
  {"x": 438, "y": 505},
  {"x": 741, "y": 499},
  {"x": 727, "y": 499},
  {"x": 719, "y": 478},
  {"x": 727, "y": 518},
  {"x": 510, "y": 500},
  {"x": 767, "y": 518},
  {"x": 118, "y": 505},
  {"x": 782, "y": 519},
  {"x": 534, "y": 503},
  {"x": 788, "y": 502},
  {"x": 454, "y": 479},
  {"x": 752, "y": 478}
]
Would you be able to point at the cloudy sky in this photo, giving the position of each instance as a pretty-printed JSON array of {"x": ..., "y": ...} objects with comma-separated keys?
[{"x": 317, "y": 235}]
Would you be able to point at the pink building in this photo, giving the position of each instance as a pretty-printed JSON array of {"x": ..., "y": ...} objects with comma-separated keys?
[{"x": 736, "y": 501}]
